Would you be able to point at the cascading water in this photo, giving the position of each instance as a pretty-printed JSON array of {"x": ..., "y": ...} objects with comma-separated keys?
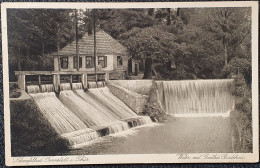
[
  {"x": 115, "y": 105},
  {"x": 47, "y": 88},
  {"x": 65, "y": 86},
  {"x": 92, "y": 84},
  {"x": 89, "y": 114},
  {"x": 95, "y": 103},
  {"x": 33, "y": 89},
  {"x": 101, "y": 84},
  {"x": 195, "y": 96},
  {"x": 84, "y": 110},
  {"x": 63, "y": 120},
  {"x": 77, "y": 86}
]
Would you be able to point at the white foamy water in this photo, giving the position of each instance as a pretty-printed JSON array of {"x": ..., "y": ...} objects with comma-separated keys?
[
  {"x": 75, "y": 112},
  {"x": 101, "y": 84},
  {"x": 92, "y": 84},
  {"x": 47, "y": 88},
  {"x": 192, "y": 97},
  {"x": 134, "y": 130},
  {"x": 33, "y": 89},
  {"x": 116, "y": 105},
  {"x": 81, "y": 137},
  {"x": 90, "y": 114},
  {"x": 65, "y": 86},
  {"x": 77, "y": 86},
  {"x": 60, "y": 117},
  {"x": 112, "y": 102},
  {"x": 96, "y": 103},
  {"x": 98, "y": 84},
  {"x": 64, "y": 122}
]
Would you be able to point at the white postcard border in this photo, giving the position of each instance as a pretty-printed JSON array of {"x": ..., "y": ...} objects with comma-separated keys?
[{"x": 133, "y": 158}]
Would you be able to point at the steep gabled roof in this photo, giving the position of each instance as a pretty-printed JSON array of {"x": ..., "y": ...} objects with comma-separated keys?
[{"x": 104, "y": 42}]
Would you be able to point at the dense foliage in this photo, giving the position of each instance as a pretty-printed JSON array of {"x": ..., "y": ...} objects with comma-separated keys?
[
  {"x": 31, "y": 134},
  {"x": 241, "y": 116},
  {"x": 185, "y": 43}
]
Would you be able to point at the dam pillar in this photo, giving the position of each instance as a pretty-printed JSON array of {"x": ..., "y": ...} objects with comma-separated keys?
[
  {"x": 21, "y": 82},
  {"x": 56, "y": 82},
  {"x": 84, "y": 80}
]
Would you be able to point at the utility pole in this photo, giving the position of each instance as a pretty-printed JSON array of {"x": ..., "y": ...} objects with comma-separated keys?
[
  {"x": 77, "y": 45},
  {"x": 95, "y": 43}
]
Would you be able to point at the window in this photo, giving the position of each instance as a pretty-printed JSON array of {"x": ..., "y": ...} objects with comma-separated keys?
[
  {"x": 64, "y": 62},
  {"x": 119, "y": 61},
  {"x": 102, "y": 60},
  {"x": 89, "y": 62},
  {"x": 75, "y": 60}
]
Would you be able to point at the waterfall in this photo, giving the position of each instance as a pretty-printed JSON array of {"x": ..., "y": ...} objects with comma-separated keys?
[
  {"x": 98, "y": 84},
  {"x": 195, "y": 96},
  {"x": 115, "y": 105},
  {"x": 76, "y": 115},
  {"x": 95, "y": 103},
  {"x": 47, "y": 88},
  {"x": 33, "y": 89},
  {"x": 92, "y": 84},
  {"x": 101, "y": 84},
  {"x": 64, "y": 122},
  {"x": 76, "y": 86},
  {"x": 90, "y": 114},
  {"x": 65, "y": 86}
]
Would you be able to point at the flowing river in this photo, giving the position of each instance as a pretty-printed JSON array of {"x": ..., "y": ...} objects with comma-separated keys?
[{"x": 177, "y": 135}]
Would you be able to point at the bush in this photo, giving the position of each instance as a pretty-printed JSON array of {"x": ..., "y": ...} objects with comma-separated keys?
[
  {"x": 241, "y": 116},
  {"x": 152, "y": 107},
  {"x": 179, "y": 73},
  {"x": 238, "y": 66},
  {"x": 31, "y": 133},
  {"x": 239, "y": 87},
  {"x": 14, "y": 92},
  {"x": 154, "y": 111}
]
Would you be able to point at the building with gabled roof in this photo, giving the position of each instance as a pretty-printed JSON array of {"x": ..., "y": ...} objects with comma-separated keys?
[{"x": 111, "y": 56}]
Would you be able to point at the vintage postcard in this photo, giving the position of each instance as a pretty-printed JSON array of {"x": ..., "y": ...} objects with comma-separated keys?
[{"x": 122, "y": 83}]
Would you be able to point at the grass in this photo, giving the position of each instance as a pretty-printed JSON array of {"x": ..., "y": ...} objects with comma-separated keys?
[{"x": 31, "y": 134}]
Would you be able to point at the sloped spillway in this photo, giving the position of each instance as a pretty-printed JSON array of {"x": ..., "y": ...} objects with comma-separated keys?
[
  {"x": 83, "y": 116},
  {"x": 195, "y": 97},
  {"x": 89, "y": 113},
  {"x": 105, "y": 102},
  {"x": 113, "y": 104},
  {"x": 61, "y": 118}
]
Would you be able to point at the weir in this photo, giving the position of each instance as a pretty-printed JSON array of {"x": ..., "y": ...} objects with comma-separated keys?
[
  {"x": 81, "y": 117},
  {"x": 116, "y": 106},
  {"x": 65, "y": 123},
  {"x": 101, "y": 112},
  {"x": 88, "y": 113},
  {"x": 195, "y": 97}
]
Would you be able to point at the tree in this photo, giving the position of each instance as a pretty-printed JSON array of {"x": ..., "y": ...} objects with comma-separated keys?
[
  {"x": 34, "y": 33},
  {"x": 118, "y": 21},
  {"x": 149, "y": 43},
  {"x": 231, "y": 26}
]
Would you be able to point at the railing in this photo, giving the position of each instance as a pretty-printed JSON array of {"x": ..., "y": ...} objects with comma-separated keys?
[{"x": 56, "y": 80}]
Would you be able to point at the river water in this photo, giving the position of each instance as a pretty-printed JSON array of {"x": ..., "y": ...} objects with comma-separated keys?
[{"x": 176, "y": 135}]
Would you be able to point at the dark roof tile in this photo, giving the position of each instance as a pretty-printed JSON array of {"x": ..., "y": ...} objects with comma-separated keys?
[{"x": 105, "y": 45}]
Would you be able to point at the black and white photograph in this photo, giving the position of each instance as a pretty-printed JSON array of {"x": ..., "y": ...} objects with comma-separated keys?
[{"x": 103, "y": 83}]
